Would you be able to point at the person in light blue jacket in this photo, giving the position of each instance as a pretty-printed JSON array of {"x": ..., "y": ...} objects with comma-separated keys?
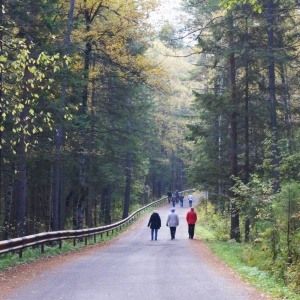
[
  {"x": 172, "y": 222},
  {"x": 190, "y": 198}
]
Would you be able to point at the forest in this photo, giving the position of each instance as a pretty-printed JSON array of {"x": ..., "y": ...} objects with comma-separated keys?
[
  {"x": 88, "y": 132},
  {"x": 103, "y": 111},
  {"x": 245, "y": 127}
]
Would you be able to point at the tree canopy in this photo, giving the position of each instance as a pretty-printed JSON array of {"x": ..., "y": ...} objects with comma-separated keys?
[{"x": 104, "y": 109}]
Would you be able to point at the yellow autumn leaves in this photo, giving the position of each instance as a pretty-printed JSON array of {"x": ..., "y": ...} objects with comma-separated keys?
[{"x": 115, "y": 29}]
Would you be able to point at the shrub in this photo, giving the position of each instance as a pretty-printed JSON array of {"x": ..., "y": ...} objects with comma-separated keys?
[{"x": 216, "y": 221}]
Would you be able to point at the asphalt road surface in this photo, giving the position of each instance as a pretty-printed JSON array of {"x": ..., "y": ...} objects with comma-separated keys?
[{"x": 136, "y": 268}]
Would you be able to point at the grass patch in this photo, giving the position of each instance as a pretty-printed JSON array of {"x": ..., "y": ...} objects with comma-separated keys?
[{"x": 232, "y": 254}]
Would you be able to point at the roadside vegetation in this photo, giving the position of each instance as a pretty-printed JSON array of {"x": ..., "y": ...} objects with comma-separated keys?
[{"x": 253, "y": 260}]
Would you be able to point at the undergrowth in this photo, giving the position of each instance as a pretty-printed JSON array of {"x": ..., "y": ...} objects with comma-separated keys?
[{"x": 250, "y": 261}]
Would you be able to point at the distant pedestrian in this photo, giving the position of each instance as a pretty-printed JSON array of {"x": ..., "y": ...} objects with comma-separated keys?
[
  {"x": 181, "y": 197},
  {"x": 177, "y": 196},
  {"x": 173, "y": 200},
  {"x": 155, "y": 224},
  {"x": 191, "y": 218},
  {"x": 169, "y": 194},
  {"x": 190, "y": 198},
  {"x": 172, "y": 222}
]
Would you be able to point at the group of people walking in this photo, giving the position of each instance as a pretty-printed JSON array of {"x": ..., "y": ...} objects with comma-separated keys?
[
  {"x": 178, "y": 197},
  {"x": 172, "y": 222}
]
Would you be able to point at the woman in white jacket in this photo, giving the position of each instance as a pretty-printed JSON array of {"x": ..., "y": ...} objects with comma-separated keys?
[
  {"x": 172, "y": 222},
  {"x": 190, "y": 198}
]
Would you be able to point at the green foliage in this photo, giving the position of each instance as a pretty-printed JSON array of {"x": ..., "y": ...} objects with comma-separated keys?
[
  {"x": 253, "y": 264},
  {"x": 27, "y": 82},
  {"x": 217, "y": 222},
  {"x": 286, "y": 214},
  {"x": 228, "y": 4},
  {"x": 254, "y": 201},
  {"x": 275, "y": 227},
  {"x": 169, "y": 35},
  {"x": 82, "y": 114}
]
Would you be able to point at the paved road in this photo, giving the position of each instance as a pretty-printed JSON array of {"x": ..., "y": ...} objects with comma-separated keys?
[{"x": 136, "y": 268}]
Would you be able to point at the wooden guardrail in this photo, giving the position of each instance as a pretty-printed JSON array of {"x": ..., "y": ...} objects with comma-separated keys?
[{"x": 18, "y": 244}]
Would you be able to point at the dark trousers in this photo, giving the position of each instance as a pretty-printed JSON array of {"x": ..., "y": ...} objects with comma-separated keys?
[
  {"x": 191, "y": 230},
  {"x": 173, "y": 232}
]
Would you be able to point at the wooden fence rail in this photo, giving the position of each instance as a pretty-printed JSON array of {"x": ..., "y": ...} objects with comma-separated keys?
[{"x": 18, "y": 244}]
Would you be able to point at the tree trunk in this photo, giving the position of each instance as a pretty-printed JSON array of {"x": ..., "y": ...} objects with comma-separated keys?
[
  {"x": 128, "y": 167},
  {"x": 219, "y": 125},
  {"x": 235, "y": 231},
  {"x": 8, "y": 203},
  {"x": 233, "y": 119},
  {"x": 60, "y": 132},
  {"x": 173, "y": 171},
  {"x": 128, "y": 186},
  {"x": 107, "y": 217},
  {"x": 82, "y": 164},
  {"x": 91, "y": 138},
  {"x": 89, "y": 207},
  {"x": 287, "y": 108},
  {"x": 87, "y": 59},
  {"x": 235, "y": 223},
  {"x": 288, "y": 236},
  {"x": 82, "y": 193},
  {"x": 247, "y": 105},
  {"x": 21, "y": 181},
  {"x": 21, "y": 168},
  {"x": 56, "y": 197},
  {"x": 102, "y": 205},
  {"x": 1, "y": 100},
  {"x": 220, "y": 157},
  {"x": 272, "y": 96},
  {"x": 247, "y": 230}
]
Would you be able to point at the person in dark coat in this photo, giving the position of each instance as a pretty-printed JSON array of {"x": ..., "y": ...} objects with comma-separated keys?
[
  {"x": 169, "y": 196},
  {"x": 174, "y": 200},
  {"x": 155, "y": 224}
]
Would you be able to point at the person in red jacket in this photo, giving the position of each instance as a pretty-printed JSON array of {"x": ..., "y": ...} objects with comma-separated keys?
[{"x": 191, "y": 218}]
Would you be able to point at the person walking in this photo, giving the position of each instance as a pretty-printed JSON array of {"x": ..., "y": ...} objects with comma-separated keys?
[
  {"x": 169, "y": 194},
  {"x": 173, "y": 200},
  {"x": 181, "y": 197},
  {"x": 190, "y": 198},
  {"x": 177, "y": 196},
  {"x": 172, "y": 222},
  {"x": 191, "y": 218},
  {"x": 155, "y": 224}
]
